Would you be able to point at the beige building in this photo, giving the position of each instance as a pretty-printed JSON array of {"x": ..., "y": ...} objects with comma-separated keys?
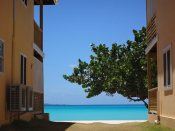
[
  {"x": 21, "y": 59},
  {"x": 161, "y": 56}
]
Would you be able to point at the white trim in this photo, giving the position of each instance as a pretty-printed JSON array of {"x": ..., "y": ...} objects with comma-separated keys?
[
  {"x": 29, "y": 90},
  {"x": 39, "y": 51},
  {"x": 153, "y": 89},
  {"x": 2, "y": 40},
  {"x": 23, "y": 54},
  {"x": 165, "y": 50},
  {"x": 152, "y": 112},
  {"x": 170, "y": 117},
  {"x": 151, "y": 44},
  {"x": 22, "y": 88},
  {"x": 22, "y": 1}
]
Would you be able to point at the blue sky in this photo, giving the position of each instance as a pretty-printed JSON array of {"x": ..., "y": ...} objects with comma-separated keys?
[{"x": 69, "y": 29}]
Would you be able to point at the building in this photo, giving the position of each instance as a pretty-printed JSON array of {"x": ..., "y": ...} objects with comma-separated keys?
[
  {"x": 21, "y": 59},
  {"x": 161, "y": 61}
]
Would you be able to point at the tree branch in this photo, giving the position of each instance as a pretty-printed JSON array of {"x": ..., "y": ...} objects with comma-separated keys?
[{"x": 138, "y": 99}]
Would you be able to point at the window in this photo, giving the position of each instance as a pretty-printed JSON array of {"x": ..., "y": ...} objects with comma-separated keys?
[
  {"x": 167, "y": 67},
  {"x": 1, "y": 56},
  {"x": 25, "y": 2},
  {"x": 23, "y": 69}
]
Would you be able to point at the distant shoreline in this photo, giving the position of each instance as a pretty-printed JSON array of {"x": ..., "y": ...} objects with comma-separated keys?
[
  {"x": 95, "y": 105},
  {"x": 104, "y": 121}
]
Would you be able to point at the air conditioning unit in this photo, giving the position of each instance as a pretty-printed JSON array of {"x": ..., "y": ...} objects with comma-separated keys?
[
  {"x": 29, "y": 99},
  {"x": 16, "y": 98}
]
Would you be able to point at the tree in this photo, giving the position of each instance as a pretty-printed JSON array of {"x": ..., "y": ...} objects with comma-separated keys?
[{"x": 119, "y": 69}]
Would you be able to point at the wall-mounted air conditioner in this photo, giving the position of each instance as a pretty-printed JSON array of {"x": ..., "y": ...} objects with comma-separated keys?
[
  {"x": 29, "y": 99},
  {"x": 17, "y": 98}
]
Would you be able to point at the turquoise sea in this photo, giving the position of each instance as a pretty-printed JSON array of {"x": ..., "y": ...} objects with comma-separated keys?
[{"x": 96, "y": 112}]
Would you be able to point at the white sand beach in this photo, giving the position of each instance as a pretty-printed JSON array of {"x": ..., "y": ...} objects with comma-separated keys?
[{"x": 105, "y": 121}]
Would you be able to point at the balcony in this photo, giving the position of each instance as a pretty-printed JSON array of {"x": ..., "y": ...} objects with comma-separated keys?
[
  {"x": 152, "y": 94},
  {"x": 38, "y": 36},
  {"x": 38, "y": 102},
  {"x": 151, "y": 30},
  {"x": 152, "y": 80}
]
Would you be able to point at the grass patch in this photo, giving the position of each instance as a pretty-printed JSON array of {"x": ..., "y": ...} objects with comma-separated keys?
[{"x": 146, "y": 126}]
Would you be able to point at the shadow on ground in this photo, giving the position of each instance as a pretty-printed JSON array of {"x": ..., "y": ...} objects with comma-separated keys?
[
  {"x": 40, "y": 125},
  {"x": 36, "y": 125}
]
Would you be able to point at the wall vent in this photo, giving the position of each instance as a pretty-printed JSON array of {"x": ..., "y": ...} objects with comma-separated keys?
[{"x": 17, "y": 98}]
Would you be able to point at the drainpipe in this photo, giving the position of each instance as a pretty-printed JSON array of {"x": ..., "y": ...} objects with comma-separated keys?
[
  {"x": 12, "y": 49},
  {"x": 13, "y": 40}
]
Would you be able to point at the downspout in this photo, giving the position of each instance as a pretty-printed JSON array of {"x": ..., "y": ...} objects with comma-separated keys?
[{"x": 13, "y": 41}]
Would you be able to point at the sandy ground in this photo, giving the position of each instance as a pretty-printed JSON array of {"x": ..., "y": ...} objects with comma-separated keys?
[{"x": 39, "y": 125}]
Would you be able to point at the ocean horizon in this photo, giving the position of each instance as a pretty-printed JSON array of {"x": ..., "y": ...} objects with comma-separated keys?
[{"x": 96, "y": 112}]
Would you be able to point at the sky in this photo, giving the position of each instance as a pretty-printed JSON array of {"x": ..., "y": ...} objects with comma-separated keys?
[{"x": 70, "y": 28}]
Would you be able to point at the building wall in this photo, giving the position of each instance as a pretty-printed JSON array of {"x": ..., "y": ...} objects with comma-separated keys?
[
  {"x": 6, "y": 19},
  {"x": 165, "y": 16},
  {"x": 38, "y": 76},
  {"x": 38, "y": 85},
  {"x": 151, "y": 9},
  {"x": 24, "y": 37},
  {"x": 23, "y": 43}
]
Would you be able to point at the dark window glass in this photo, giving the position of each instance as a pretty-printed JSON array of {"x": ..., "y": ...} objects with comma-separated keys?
[
  {"x": 1, "y": 49},
  {"x": 1, "y": 56},
  {"x": 25, "y": 70},
  {"x": 168, "y": 67},
  {"x": 26, "y": 2},
  {"x": 22, "y": 69},
  {"x": 164, "y": 63},
  {"x": 1, "y": 64}
]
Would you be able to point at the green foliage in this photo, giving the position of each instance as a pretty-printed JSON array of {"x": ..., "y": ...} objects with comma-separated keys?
[{"x": 121, "y": 69}]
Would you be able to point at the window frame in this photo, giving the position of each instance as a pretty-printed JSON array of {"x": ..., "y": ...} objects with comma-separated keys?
[
  {"x": 23, "y": 81},
  {"x": 22, "y": 98},
  {"x": 165, "y": 79},
  {"x": 2, "y": 57},
  {"x": 25, "y": 3},
  {"x": 30, "y": 99}
]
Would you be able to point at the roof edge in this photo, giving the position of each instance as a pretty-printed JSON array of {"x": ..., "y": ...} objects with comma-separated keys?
[{"x": 46, "y": 2}]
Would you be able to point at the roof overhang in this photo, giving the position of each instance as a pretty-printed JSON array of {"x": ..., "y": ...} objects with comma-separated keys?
[{"x": 45, "y": 2}]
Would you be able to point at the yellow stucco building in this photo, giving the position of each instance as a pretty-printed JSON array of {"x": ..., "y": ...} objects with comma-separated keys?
[
  {"x": 21, "y": 59},
  {"x": 161, "y": 56}
]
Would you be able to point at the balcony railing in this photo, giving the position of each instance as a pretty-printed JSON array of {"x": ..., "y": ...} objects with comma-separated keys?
[
  {"x": 152, "y": 94},
  {"x": 38, "y": 36},
  {"x": 151, "y": 29},
  {"x": 38, "y": 102}
]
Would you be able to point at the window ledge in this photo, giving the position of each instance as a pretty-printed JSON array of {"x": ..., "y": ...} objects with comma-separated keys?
[
  {"x": 168, "y": 88},
  {"x": 1, "y": 73}
]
